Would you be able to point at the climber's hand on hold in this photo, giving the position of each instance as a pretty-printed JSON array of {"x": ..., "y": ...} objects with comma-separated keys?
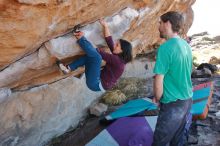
[
  {"x": 78, "y": 35},
  {"x": 102, "y": 22}
]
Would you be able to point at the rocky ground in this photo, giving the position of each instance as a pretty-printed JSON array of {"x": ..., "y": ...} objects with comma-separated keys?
[
  {"x": 206, "y": 49},
  {"x": 206, "y": 132}
]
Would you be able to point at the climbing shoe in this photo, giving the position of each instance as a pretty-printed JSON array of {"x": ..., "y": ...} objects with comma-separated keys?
[
  {"x": 62, "y": 67},
  {"x": 76, "y": 28}
]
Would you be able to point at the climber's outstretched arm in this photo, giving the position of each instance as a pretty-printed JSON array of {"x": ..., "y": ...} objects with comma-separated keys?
[
  {"x": 105, "y": 28},
  {"x": 107, "y": 35}
]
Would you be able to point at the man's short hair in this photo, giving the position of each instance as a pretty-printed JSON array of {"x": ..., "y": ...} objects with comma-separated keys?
[{"x": 175, "y": 18}]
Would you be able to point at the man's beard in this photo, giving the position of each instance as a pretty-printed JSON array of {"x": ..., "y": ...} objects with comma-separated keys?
[{"x": 162, "y": 35}]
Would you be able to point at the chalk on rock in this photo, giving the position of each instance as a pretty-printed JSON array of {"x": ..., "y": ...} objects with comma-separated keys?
[{"x": 4, "y": 93}]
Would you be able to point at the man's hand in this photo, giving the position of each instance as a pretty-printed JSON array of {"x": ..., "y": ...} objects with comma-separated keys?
[
  {"x": 154, "y": 100},
  {"x": 78, "y": 35}
]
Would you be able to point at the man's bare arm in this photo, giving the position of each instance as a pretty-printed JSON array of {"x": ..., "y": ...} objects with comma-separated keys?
[{"x": 158, "y": 87}]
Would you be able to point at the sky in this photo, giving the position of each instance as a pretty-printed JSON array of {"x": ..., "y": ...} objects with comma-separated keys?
[{"x": 206, "y": 17}]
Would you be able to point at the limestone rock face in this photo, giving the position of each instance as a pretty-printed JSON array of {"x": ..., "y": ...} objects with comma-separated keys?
[
  {"x": 35, "y": 32},
  {"x": 37, "y": 102}
]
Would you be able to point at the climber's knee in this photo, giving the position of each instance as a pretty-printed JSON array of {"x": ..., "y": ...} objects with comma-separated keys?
[{"x": 93, "y": 86}]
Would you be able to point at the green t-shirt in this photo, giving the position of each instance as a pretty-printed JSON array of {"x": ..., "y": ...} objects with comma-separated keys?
[{"x": 174, "y": 61}]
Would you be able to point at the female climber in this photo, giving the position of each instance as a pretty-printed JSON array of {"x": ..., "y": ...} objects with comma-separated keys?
[{"x": 97, "y": 79}]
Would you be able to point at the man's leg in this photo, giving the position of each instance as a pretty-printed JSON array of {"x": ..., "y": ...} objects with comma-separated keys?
[
  {"x": 77, "y": 63},
  {"x": 169, "y": 121},
  {"x": 179, "y": 138}
]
